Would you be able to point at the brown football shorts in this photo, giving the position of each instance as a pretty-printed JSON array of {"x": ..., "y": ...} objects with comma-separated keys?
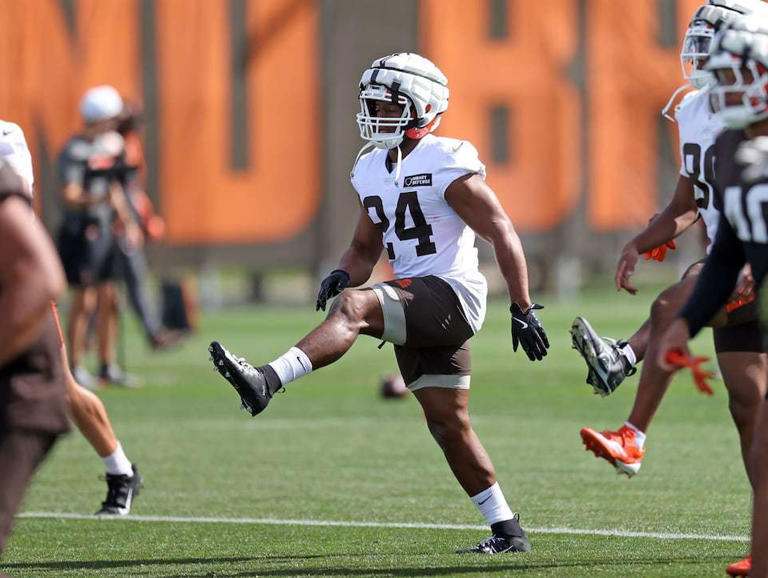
[{"x": 426, "y": 322}]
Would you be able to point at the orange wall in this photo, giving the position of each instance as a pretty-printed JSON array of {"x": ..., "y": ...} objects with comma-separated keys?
[
  {"x": 527, "y": 73},
  {"x": 628, "y": 80},
  {"x": 207, "y": 200},
  {"x": 46, "y": 67}
]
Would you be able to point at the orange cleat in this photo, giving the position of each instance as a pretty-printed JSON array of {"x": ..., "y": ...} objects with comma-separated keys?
[
  {"x": 740, "y": 568},
  {"x": 617, "y": 447}
]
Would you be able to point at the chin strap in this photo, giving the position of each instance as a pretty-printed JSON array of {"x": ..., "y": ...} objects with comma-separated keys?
[
  {"x": 665, "y": 110},
  {"x": 366, "y": 146},
  {"x": 399, "y": 164}
]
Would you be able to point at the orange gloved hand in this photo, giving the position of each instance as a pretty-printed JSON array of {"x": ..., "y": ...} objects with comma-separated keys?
[
  {"x": 700, "y": 376},
  {"x": 660, "y": 252}
]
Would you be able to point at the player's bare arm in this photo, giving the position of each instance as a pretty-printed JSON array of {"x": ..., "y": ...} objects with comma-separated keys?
[
  {"x": 75, "y": 197},
  {"x": 476, "y": 203},
  {"x": 677, "y": 216},
  {"x": 30, "y": 275},
  {"x": 364, "y": 251},
  {"x": 479, "y": 207},
  {"x": 356, "y": 264}
]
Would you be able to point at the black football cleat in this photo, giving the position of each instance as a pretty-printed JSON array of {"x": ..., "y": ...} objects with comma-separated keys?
[
  {"x": 251, "y": 383},
  {"x": 608, "y": 366},
  {"x": 121, "y": 490},
  {"x": 502, "y": 543}
]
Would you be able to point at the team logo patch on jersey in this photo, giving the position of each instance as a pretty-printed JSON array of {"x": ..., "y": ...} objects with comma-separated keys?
[{"x": 423, "y": 180}]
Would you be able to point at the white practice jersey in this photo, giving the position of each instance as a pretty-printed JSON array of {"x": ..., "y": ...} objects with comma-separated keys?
[
  {"x": 698, "y": 129},
  {"x": 421, "y": 233},
  {"x": 14, "y": 151}
]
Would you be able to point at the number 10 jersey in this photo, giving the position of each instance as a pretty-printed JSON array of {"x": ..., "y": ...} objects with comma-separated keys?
[{"x": 420, "y": 231}]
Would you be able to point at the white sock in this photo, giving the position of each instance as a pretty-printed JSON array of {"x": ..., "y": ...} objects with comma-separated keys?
[
  {"x": 117, "y": 463},
  {"x": 629, "y": 353},
  {"x": 492, "y": 504},
  {"x": 639, "y": 436},
  {"x": 291, "y": 365}
]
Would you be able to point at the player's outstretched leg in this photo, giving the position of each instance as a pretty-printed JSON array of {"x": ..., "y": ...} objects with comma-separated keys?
[
  {"x": 90, "y": 417},
  {"x": 353, "y": 312},
  {"x": 447, "y": 414},
  {"x": 624, "y": 448},
  {"x": 759, "y": 468},
  {"x": 608, "y": 361}
]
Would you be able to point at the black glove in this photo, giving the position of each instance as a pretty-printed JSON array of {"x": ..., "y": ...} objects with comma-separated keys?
[
  {"x": 331, "y": 286},
  {"x": 528, "y": 332}
]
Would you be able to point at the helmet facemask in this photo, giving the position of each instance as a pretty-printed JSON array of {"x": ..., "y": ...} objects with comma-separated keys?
[
  {"x": 383, "y": 132},
  {"x": 740, "y": 97},
  {"x": 695, "y": 52}
]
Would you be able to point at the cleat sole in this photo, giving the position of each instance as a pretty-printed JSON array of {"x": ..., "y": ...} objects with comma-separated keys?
[{"x": 593, "y": 444}]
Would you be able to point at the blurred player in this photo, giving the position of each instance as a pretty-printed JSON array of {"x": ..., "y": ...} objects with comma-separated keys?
[
  {"x": 87, "y": 410},
  {"x": 133, "y": 261},
  {"x": 737, "y": 338},
  {"x": 33, "y": 405},
  {"x": 95, "y": 205},
  {"x": 422, "y": 198},
  {"x": 740, "y": 63}
]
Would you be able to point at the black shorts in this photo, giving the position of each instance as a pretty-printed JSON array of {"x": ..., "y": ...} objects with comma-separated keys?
[
  {"x": 88, "y": 252},
  {"x": 737, "y": 330},
  {"x": 742, "y": 333},
  {"x": 424, "y": 319}
]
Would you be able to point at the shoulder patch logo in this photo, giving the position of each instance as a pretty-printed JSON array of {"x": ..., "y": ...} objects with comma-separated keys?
[{"x": 423, "y": 180}]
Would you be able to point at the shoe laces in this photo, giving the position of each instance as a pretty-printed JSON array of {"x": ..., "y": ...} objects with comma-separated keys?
[{"x": 116, "y": 494}]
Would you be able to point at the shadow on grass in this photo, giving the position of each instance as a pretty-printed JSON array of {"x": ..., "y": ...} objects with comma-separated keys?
[{"x": 371, "y": 570}]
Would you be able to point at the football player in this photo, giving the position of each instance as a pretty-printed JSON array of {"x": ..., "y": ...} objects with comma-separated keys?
[
  {"x": 740, "y": 350},
  {"x": 739, "y": 62},
  {"x": 94, "y": 207},
  {"x": 87, "y": 410},
  {"x": 33, "y": 409},
  {"x": 422, "y": 200}
]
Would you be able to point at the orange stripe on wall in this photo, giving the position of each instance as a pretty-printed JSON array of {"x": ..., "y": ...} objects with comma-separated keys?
[
  {"x": 527, "y": 73},
  {"x": 203, "y": 199},
  {"x": 630, "y": 80}
]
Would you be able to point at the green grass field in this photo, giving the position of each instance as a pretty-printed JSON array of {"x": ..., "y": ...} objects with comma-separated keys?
[{"x": 242, "y": 490}]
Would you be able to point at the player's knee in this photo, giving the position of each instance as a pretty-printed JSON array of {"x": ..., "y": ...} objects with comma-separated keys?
[
  {"x": 743, "y": 411},
  {"x": 448, "y": 430},
  {"x": 351, "y": 305},
  {"x": 664, "y": 308}
]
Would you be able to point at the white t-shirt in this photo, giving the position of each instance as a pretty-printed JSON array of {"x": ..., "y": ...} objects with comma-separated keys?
[
  {"x": 421, "y": 233},
  {"x": 14, "y": 151},
  {"x": 698, "y": 129}
]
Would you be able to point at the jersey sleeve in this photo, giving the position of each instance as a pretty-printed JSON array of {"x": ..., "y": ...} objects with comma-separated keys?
[
  {"x": 461, "y": 160},
  {"x": 15, "y": 152}
]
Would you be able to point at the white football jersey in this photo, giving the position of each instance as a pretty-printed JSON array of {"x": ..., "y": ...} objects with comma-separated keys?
[
  {"x": 421, "y": 233},
  {"x": 14, "y": 151},
  {"x": 698, "y": 129}
]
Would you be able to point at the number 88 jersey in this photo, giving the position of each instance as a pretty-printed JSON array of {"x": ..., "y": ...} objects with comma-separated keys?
[
  {"x": 421, "y": 233},
  {"x": 698, "y": 128}
]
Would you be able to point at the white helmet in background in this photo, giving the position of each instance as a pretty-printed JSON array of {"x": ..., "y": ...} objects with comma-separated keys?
[
  {"x": 739, "y": 63},
  {"x": 100, "y": 103},
  {"x": 407, "y": 79},
  {"x": 704, "y": 24}
]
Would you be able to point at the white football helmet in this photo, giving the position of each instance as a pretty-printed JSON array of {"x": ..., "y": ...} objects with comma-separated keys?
[
  {"x": 739, "y": 63},
  {"x": 407, "y": 79},
  {"x": 100, "y": 103},
  {"x": 706, "y": 21}
]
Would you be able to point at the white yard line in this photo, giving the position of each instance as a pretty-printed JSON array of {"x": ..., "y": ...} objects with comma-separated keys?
[{"x": 402, "y": 525}]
